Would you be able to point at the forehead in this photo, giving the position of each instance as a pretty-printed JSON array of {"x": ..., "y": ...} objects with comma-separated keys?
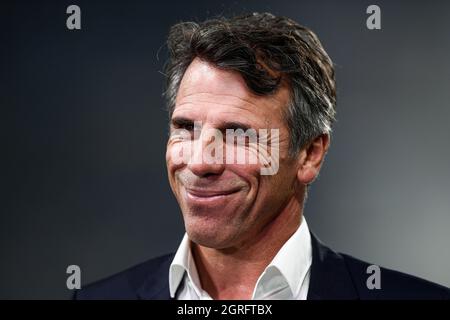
[{"x": 207, "y": 92}]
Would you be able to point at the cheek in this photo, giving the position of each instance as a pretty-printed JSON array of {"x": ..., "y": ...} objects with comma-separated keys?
[
  {"x": 273, "y": 191},
  {"x": 250, "y": 174},
  {"x": 173, "y": 166},
  {"x": 177, "y": 155}
]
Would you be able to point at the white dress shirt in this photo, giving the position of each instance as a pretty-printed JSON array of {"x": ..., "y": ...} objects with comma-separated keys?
[{"x": 285, "y": 278}]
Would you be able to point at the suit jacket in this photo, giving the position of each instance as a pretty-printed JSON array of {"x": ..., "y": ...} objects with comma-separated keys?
[{"x": 333, "y": 276}]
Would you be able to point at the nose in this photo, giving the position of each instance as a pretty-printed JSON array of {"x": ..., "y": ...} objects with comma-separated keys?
[{"x": 207, "y": 156}]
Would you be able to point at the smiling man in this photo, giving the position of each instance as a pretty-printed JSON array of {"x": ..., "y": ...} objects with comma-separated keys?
[
  {"x": 232, "y": 213},
  {"x": 246, "y": 237}
]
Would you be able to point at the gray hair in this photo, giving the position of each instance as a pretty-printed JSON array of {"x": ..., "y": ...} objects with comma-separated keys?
[{"x": 264, "y": 49}]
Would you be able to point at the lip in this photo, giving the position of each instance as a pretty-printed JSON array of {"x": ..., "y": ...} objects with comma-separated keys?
[
  {"x": 207, "y": 193},
  {"x": 208, "y": 197}
]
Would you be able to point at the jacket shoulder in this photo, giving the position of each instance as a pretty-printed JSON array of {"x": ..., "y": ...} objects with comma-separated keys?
[
  {"x": 393, "y": 284},
  {"x": 126, "y": 284}
]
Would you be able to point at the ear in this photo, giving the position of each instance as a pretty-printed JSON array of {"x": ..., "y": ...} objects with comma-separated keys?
[{"x": 311, "y": 158}]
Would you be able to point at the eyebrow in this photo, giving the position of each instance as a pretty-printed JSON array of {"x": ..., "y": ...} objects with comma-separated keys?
[
  {"x": 181, "y": 121},
  {"x": 223, "y": 126},
  {"x": 234, "y": 125}
]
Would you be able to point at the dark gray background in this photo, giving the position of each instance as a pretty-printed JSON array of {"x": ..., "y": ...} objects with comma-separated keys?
[{"x": 84, "y": 131}]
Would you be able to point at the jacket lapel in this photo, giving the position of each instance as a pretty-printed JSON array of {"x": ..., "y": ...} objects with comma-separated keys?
[
  {"x": 330, "y": 278},
  {"x": 156, "y": 285}
]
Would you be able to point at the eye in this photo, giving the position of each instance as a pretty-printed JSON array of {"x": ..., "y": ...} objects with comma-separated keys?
[
  {"x": 242, "y": 134},
  {"x": 182, "y": 123},
  {"x": 188, "y": 126}
]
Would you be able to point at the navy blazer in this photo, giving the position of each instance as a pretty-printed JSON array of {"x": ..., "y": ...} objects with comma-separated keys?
[{"x": 333, "y": 276}]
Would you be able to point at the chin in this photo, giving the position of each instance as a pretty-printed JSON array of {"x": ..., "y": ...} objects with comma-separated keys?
[{"x": 208, "y": 237}]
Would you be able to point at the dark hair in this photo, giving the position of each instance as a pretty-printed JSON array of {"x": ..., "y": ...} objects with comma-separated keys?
[{"x": 265, "y": 50}]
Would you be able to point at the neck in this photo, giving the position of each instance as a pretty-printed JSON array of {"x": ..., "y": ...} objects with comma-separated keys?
[{"x": 232, "y": 273}]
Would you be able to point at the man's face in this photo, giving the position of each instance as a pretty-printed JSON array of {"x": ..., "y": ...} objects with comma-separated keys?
[{"x": 226, "y": 204}]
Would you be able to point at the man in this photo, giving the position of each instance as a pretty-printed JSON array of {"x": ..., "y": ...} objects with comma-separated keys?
[{"x": 267, "y": 78}]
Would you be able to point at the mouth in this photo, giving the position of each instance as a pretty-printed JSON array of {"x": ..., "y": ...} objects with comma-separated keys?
[{"x": 209, "y": 196}]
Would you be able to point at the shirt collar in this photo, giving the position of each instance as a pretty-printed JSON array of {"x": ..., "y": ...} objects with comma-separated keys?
[
  {"x": 291, "y": 264},
  {"x": 182, "y": 263}
]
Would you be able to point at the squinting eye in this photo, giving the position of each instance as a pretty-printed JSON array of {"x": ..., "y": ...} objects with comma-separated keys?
[
  {"x": 182, "y": 123},
  {"x": 184, "y": 126}
]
